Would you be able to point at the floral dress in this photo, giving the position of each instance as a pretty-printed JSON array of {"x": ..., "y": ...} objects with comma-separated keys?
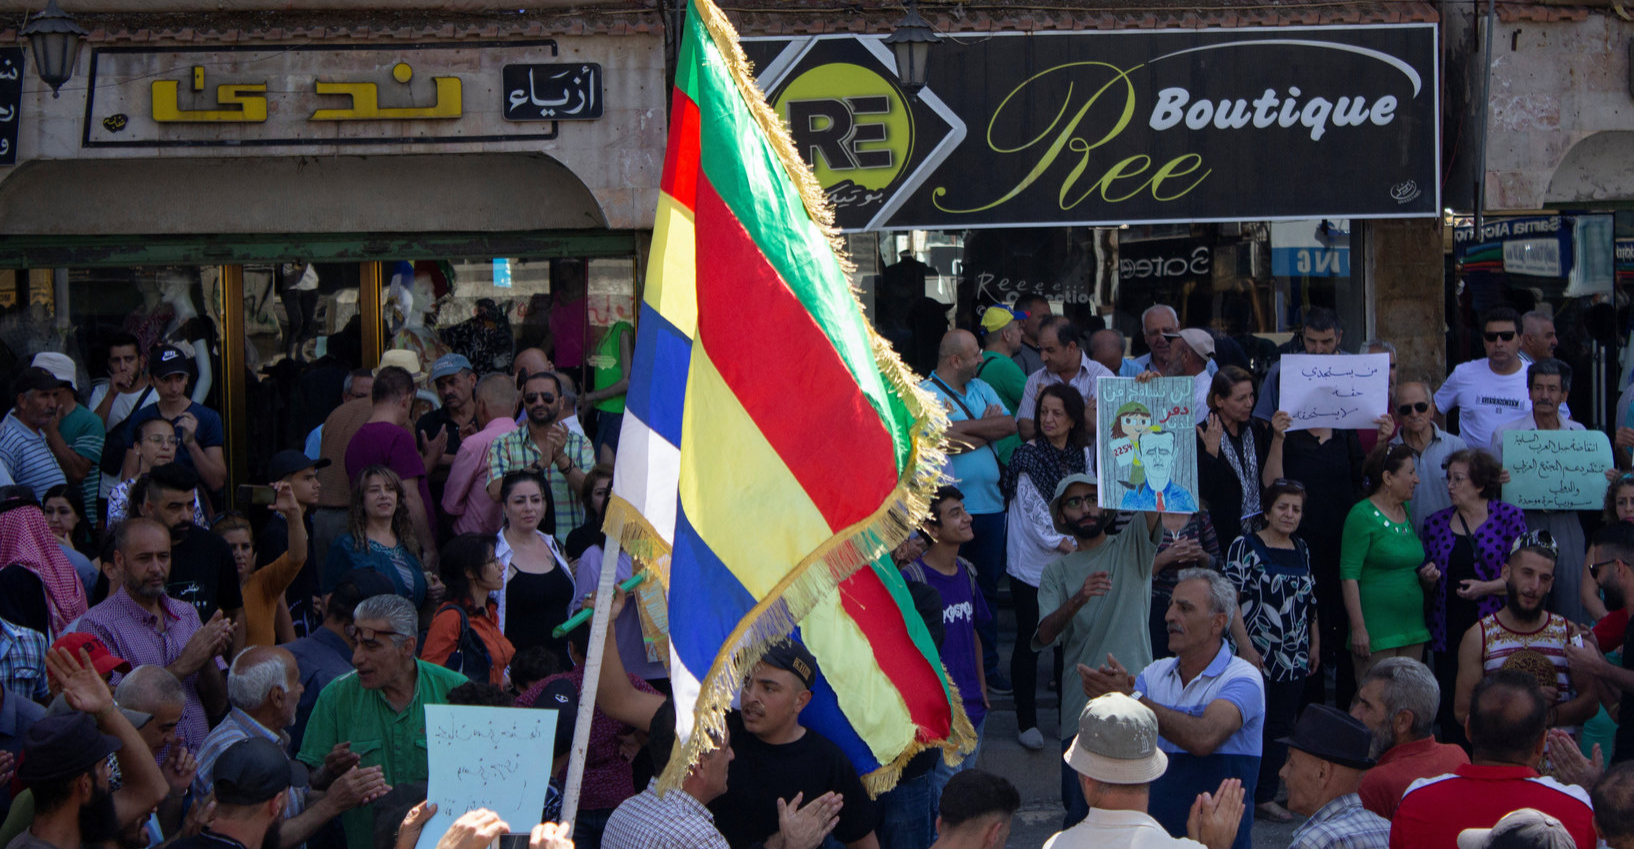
[{"x": 1278, "y": 600}]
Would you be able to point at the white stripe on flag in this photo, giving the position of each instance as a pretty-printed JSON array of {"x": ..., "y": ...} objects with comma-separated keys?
[{"x": 648, "y": 475}]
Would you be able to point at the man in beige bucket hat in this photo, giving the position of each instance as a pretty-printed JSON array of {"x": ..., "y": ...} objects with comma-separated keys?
[{"x": 1117, "y": 759}]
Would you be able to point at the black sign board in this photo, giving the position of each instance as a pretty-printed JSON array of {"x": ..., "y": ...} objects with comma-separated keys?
[
  {"x": 11, "y": 102},
  {"x": 1135, "y": 126},
  {"x": 566, "y": 91}
]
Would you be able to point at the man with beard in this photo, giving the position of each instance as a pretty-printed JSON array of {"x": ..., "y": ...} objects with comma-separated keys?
[
  {"x": 558, "y": 453},
  {"x": 65, "y": 764},
  {"x": 1398, "y": 702},
  {"x": 1099, "y": 599},
  {"x": 1611, "y": 562},
  {"x": 254, "y": 780},
  {"x": 1190, "y": 352},
  {"x": 1523, "y": 635},
  {"x": 382, "y": 702},
  {"x": 202, "y": 571},
  {"x": 456, "y": 385},
  {"x": 138, "y": 621}
]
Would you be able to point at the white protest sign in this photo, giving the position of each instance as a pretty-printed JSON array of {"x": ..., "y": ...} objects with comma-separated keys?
[
  {"x": 487, "y": 757},
  {"x": 1346, "y": 391}
]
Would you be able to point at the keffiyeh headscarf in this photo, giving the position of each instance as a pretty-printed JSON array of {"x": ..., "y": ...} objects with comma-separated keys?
[{"x": 25, "y": 540}]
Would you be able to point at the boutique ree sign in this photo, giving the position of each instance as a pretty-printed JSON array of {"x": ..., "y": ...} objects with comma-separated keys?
[{"x": 1118, "y": 127}]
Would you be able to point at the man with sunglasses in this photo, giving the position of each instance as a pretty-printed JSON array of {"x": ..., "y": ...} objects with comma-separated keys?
[
  {"x": 1611, "y": 563},
  {"x": 561, "y": 455},
  {"x": 1431, "y": 446},
  {"x": 381, "y": 708},
  {"x": 1490, "y": 391},
  {"x": 1523, "y": 635}
]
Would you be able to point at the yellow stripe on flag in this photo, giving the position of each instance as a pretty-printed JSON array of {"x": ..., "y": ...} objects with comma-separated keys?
[
  {"x": 672, "y": 282},
  {"x": 871, "y": 701},
  {"x": 737, "y": 492}
]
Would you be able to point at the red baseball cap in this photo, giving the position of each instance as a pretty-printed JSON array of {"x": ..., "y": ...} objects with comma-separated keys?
[{"x": 105, "y": 661}]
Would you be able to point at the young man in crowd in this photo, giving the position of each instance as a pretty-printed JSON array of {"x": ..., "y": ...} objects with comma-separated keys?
[
  {"x": 1490, "y": 391},
  {"x": 197, "y": 426},
  {"x": 75, "y": 434},
  {"x": 560, "y": 454}
]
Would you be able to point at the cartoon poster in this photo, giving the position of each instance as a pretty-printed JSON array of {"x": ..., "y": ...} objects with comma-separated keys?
[{"x": 1146, "y": 444}]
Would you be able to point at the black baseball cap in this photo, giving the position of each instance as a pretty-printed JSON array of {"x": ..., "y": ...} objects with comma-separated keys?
[
  {"x": 62, "y": 746},
  {"x": 168, "y": 359},
  {"x": 252, "y": 771},
  {"x": 289, "y": 461},
  {"x": 36, "y": 379},
  {"x": 561, "y": 696},
  {"x": 790, "y": 655}
]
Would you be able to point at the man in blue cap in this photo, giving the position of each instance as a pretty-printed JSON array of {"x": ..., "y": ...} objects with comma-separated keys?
[{"x": 456, "y": 384}]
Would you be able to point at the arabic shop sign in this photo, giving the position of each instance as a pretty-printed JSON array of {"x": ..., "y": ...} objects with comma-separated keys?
[
  {"x": 11, "y": 101},
  {"x": 304, "y": 95},
  {"x": 1018, "y": 130}
]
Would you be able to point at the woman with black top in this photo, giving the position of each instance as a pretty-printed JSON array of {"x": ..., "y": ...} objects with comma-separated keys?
[
  {"x": 1231, "y": 449},
  {"x": 538, "y": 582},
  {"x": 598, "y": 482}
]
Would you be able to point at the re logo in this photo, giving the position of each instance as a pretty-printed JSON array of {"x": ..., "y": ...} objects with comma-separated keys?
[{"x": 850, "y": 123}]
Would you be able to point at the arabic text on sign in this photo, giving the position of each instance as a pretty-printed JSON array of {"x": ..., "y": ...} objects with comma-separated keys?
[
  {"x": 366, "y": 100},
  {"x": 552, "y": 92}
]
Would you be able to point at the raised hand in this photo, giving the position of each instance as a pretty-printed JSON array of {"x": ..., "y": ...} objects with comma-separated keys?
[
  {"x": 180, "y": 768},
  {"x": 84, "y": 689},
  {"x": 1215, "y": 816},
  {"x": 805, "y": 826}
]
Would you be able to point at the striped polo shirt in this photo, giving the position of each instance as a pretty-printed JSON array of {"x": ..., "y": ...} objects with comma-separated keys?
[{"x": 28, "y": 457}]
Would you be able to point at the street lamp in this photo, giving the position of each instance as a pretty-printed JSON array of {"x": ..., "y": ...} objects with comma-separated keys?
[
  {"x": 911, "y": 42},
  {"x": 55, "y": 38}
]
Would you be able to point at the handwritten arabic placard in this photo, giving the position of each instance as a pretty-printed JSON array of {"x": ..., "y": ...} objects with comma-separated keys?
[
  {"x": 1346, "y": 391},
  {"x": 1146, "y": 444},
  {"x": 487, "y": 757},
  {"x": 11, "y": 102},
  {"x": 1556, "y": 469},
  {"x": 569, "y": 91}
]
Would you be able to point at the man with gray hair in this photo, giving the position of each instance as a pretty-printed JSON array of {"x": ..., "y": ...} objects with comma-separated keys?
[
  {"x": 1210, "y": 704},
  {"x": 383, "y": 699},
  {"x": 1117, "y": 759},
  {"x": 264, "y": 686},
  {"x": 1398, "y": 702}
]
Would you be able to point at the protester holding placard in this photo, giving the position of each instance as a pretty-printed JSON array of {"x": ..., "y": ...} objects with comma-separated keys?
[
  {"x": 1470, "y": 541},
  {"x": 1547, "y": 384},
  {"x": 1382, "y": 565},
  {"x": 1231, "y": 452}
]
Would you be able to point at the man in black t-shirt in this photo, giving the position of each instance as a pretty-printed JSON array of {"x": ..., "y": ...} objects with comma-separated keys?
[
  {"x": 202, "y": 571},
  {"x": 776, "y": 757}
]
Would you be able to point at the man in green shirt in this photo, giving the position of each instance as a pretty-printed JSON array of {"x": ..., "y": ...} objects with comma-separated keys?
[
  {"x": 380, "y": 706},
  {"x": 75, "y": 436},
  {"x": 1001, "y": 339}
]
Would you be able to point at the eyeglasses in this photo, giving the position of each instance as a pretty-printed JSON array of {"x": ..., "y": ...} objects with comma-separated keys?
[
  {"x": 1077, "y": 502},
  {"x": 540, "y": 397},
  {"x": 161, "y": 439},
  {"x": 1505, "y": 335},
  {"x": 1594, "y": 568},
  {"x": 1536, "y": 539},
  {"x": 1406, "y": 410},
  {"x": 369, "y": 638}
]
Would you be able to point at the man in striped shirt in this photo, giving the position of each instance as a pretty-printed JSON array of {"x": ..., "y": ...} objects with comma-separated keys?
[
  {"x": 75, "y": 435},
  {"x": 23, "y": 444}
]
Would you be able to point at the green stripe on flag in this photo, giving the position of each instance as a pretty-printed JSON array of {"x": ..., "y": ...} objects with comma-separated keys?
[{"x": 745, "y": 170}]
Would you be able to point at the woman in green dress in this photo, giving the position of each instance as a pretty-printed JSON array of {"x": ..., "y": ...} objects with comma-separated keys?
[{"x": 1381, "y": 564}]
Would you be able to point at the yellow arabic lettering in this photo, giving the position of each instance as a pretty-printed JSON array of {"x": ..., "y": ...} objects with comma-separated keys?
[
  {"x": 1129, "y": 169},
  {"x": 366, "y": 100},
  {"x": 244, "y": 103}
]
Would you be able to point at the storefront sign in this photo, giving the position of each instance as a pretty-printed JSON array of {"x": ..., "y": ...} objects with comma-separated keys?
[
  {"x": 1165, "y": 260},
  {"x": 1310, "y": 248},
  {"x": 1625, "y": 260},
  {"x": 312, "y": 95},
  {"x": 1118, "y": 127},
  {"x": 11, "y": 102},
  {"x": 559, "y": 92},
  {"x": 1537, "y": 246}
]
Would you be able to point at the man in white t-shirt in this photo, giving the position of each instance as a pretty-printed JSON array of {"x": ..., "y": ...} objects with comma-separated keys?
[
  {"x": 126, "y": 389},
  {"x": 1490, "y": 391}
]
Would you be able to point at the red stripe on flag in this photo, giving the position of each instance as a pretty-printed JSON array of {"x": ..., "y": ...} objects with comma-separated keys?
[
  {"x": 869, "y": 604},
  {"x": 680, "y": 180},
  {"x": 786, "y": 373}
]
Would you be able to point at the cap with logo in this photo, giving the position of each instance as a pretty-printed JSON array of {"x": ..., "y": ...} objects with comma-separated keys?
[
  {"x": 449, "y": 364},
  {"x": 998, "y": 316},
  {"x": 104, "y": 660},
  {"x": 789, "y": 655},
  {"x": 1197, "y": 339},
  {"x": 165, "y": 360},
  {"x": 252, "y": 771},
  {"x": 289, "y": 461},
  {"x": 60, "y": 365},
  {"x": 561, "y": 696},
  {"x": 64, "y": 745},
  {"x": 1117, "y": 742}
]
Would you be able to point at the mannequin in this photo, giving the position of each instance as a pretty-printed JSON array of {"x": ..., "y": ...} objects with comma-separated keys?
[
  {"x": 176, "y": 288},
  {"x": 410, "y": 313}
]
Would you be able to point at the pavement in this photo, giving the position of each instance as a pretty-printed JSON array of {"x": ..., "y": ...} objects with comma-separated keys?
[{"x": 1037, "y": 775}]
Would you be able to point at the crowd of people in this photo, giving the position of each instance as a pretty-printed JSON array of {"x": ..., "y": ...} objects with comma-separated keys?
[{"x": 1349, "y": 626}]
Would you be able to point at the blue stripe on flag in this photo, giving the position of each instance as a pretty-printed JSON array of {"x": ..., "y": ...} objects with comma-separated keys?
[
  {"x": 706, "y": 600},
  {"x": 658, "y": 380},
  {"x": 823, "y": 715}
]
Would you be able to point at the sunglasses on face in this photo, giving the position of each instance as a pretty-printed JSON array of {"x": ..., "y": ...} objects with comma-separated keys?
[
  {"x": 1505, "y": 335},
  {"x": 540, "y": 398},
  {"x": 1406, "y": 410},
  {"x": 1594, "y": 568}
]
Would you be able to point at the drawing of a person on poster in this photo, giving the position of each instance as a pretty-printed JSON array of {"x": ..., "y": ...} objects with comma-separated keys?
[{"x": 1148, "y": 445}]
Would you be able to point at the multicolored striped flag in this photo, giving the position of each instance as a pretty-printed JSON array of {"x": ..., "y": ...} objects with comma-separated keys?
[{"x": 774, "y": 449}]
